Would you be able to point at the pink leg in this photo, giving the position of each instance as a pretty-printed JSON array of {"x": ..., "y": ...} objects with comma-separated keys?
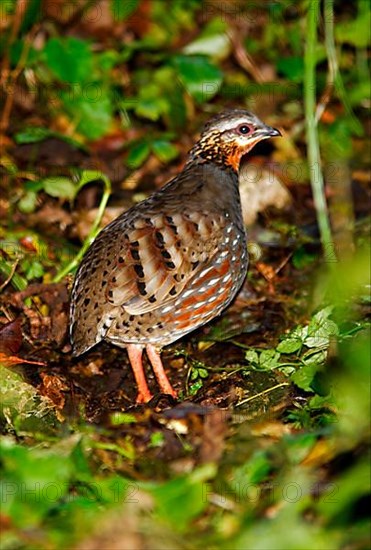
[
  {"x": 135, "y": 358},
  {"x": 158, "y": 369}
]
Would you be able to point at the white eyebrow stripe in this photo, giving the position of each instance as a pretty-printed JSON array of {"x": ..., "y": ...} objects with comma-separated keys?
[{"x": 230, "y": 124}]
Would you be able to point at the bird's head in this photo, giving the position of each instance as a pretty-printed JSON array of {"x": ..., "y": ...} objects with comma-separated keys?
[{"x": 230, "y": 135}]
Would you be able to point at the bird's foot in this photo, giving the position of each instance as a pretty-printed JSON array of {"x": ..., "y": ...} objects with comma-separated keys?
[{"x": 143, "y": 396}]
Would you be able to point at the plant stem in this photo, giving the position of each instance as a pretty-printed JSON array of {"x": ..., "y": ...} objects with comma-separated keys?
[
  {"x": 87, "y": 177},
  {"x": 314, "y": 157}
]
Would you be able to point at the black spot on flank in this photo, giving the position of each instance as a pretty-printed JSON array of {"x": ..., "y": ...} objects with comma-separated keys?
[
  {"x": 160, "y": 239},
  {"x": 170, "y": 265},
  {"x": 105, "y": 273},
  {"x": 149, "y": 330},
  {"x": 172, "y": 225},
  {"x": 141, "y": 288},
  {"x": 110, "y": 293},
  {"x": 86, "y": 301},
  {"x": 114, "y": 279},
  {"x": 172, "y": 291},
  {"x": 138, "y": 268},
  {"x": 166, "y": 254},
  {"x": 134, "y": 243},
  {"x": 104, "y": 283},
  {"x": 96, "y": 305},
  {"x": 135, "y": 255},
  {"x": 195, "y": 264},
  {"x": 131, "y": 318},
  {"x": 121, "y": 260},
  {"x": 152, "y": 299}
]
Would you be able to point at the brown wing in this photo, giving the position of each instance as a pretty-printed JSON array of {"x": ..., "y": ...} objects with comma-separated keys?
[{"x": 159, "y": 256}]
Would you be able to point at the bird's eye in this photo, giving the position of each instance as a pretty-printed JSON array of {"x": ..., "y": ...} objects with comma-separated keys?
[{"x": 243, "y": 129}]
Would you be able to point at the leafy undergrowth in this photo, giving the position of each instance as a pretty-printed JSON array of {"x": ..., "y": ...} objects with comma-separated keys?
[{"x": 267, "y": 450}]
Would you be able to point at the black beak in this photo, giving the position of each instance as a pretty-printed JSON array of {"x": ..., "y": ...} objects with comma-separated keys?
[{"x": 268, "y": 131}]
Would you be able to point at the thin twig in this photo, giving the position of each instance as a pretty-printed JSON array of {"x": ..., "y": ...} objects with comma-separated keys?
[
  {"x": 268, "y": 390},
  {"x": 10, "y": 277},
  {"x": 87, "y": 177},
  {"x": 20, "y": 10},
  {"x": 10, "y": 85},
  {"x": 243, "y": 58}
]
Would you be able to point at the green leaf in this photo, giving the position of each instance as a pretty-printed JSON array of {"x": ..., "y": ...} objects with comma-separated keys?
[
  {"x": 138, "y": 153},
  {"x": 151, "y": 108},
  {"x": 122, "y": 9},
  {"x": 199, "y": 76},
  {"x": 194, "y": 374},
  {"x": 360, "y": 92},
  {"x": 32, "y": 14},
  {"x": 252, "y": 357},
  {"x": 213, "y": 41},
  {"x": 336, "y": 139},
  {"x": 289, "y": 345},
  {"x": 321, "y": 329},
  {"x": 195, "y": 387},
  {"x": 300, "y": 333},
  {"x": 302, "y": 258},
  {"x": 118, "y": 418},
  {"x": 164, "y": 150},
  {"x": 34, "y": 134},
  {"x": 70, "y": 59},
  {"x": 203, "y": 373},
  {"x": 37, "y": 470},
  {"x": 107, "y": 60},
  {"x": 303, "y": 377},
  {"x": 27, "y": 203},
  {"x": 60, "y": 187},
  {"x": 292, "y": 67},
  {"x": 189, "y": 490},
  {"x": 17, "y": 281},
  {"x": 91, "y": 108},
  {"x": 269, "y": 359},
  {"x": 33, "y": 269},
  {"x": 314, "y": 358},
  {"x": 357, "y": 31},
  {"x": 157, "y": 439},
  {"x": 253, "y": 471},
  {"x": 152, "y": 101},
  {"x": 88, "y": 176}
]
